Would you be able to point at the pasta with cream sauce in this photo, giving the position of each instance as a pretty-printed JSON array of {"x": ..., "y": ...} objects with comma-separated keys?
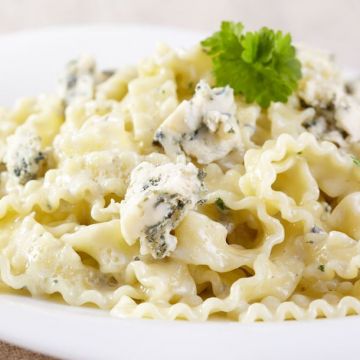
[{"x": 151, "y": 193}]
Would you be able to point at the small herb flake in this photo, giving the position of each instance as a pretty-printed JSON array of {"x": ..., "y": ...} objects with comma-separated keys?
[
  {"x": 220, "y": 204},
  {"x": 321, "y": 268},
  {"x": 356, "y": 161}
]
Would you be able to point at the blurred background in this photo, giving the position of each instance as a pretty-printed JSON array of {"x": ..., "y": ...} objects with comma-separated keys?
[{"x": 331, "y": 24}]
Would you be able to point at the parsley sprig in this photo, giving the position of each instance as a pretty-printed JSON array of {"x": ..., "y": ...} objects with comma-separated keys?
[{"x": 260, "y": 65}]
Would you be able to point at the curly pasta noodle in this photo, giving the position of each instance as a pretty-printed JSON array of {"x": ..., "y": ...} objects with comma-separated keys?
[{"x": 261, "y": 219}]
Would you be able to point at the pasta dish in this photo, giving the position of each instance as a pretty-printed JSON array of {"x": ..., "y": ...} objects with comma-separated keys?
[{"x": 218, "y": 181}]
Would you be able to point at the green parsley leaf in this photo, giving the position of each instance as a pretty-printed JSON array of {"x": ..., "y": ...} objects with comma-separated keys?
[
  {"x": 220, "y": 204},
  {"x": 356, "y": 161},
  {"x": 321, "y": 268},
  {"x": 260, "y": 65}
]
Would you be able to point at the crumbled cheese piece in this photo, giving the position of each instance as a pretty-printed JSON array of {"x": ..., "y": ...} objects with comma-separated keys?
[
  {"x": 323, "y": 88},
  {"x": 324, "y": 128},
  {"x": 24, "y": 157},
  {"x": 321, "y": 81},
  {"x": 156, "y": 200},
  {"x": 78, "y": 80},
  {"x": 347, "y": 116},
  {"x": 204, "y": 127}
]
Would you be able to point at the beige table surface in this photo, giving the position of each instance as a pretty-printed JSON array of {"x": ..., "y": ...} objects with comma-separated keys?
[
  {"x": 9, "y": 352},
  {"x": 331, "y": 24}
]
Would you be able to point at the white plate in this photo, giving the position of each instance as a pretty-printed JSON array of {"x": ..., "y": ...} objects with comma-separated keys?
[{"x": 29, "y": 64}]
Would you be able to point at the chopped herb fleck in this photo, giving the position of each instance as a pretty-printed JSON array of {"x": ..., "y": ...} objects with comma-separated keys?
[
  {"x": 321, "y": 268},
  {"x": 356, "y": 161},
  {"x": 220, "y": 204}
]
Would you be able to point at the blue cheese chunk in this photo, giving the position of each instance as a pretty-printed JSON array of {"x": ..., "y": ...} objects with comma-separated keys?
[
  {"x": 157, "y": 199},
  {"x": 323, "y": 88},
  {"x": 204, "y": 127},
  {"x": 24, "y": 157},
  {"x": 347, "y": 116},
  {"x": 78, "y": 80},
  {"x": 321, "y": 80}
]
